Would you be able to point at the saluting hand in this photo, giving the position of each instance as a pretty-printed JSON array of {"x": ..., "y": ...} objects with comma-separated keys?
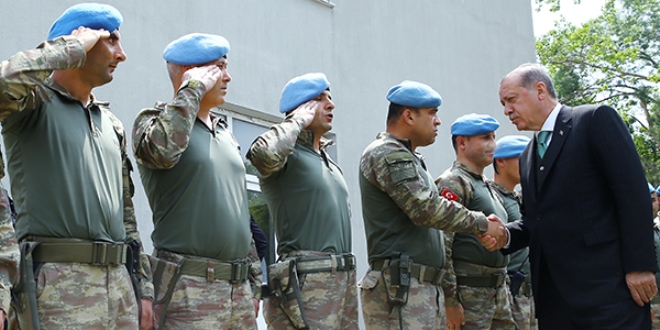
[
  {"x": 89, "y": 37},
  {"x": 208, "y": 75},
  {"x": 306, "y": 111}
]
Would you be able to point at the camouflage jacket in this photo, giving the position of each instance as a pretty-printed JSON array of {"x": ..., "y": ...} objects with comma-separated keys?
[
  {"x": 161, "y": 136},
  {"x": 390, "y": 164},
  {"x": 458, "y": 183},
  {"x": 23, "y": 80},
  {"x": 269, "y": 152}
]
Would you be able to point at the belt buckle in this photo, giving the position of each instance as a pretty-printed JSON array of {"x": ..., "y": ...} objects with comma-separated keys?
[
  {"x": 100, "y": 253},
  {"x": 237, "y": 270}
]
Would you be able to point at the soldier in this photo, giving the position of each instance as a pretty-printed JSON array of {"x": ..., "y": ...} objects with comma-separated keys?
[
  {"x": 476, "y": 294},
  {"x": 308, "y": 197},
  {"x": 194, "y": 178},
  {"x": 507, "y": 176},
  {"x": 82, "y": 222},
  {"x": 402, "y": 212}
]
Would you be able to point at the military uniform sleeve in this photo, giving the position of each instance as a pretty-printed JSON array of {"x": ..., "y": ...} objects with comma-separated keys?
[
  {"x": 146, "y": 287},
  {"x": 391, "y": 168},
  {"x": 9, "y": 253},
  {"x": 255, "y": 276},
  {"x": 456, "y": 188},
  {"x": 269, "y": 152},
  {"x": 22, "y": 73},
  {"x": 448, "y": 283},
  {"x": 160, "y": 136}
]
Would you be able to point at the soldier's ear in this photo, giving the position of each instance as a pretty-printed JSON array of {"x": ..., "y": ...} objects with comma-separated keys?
[{"x": 407, "y": 116}]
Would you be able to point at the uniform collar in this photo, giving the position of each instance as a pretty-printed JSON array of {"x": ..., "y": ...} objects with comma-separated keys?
[
  {"x": 405, "y": 142},
  {"x": 306, "y": 138},
  {"x": 469, "y": 171},
  {"x": 57, "y": 88}
]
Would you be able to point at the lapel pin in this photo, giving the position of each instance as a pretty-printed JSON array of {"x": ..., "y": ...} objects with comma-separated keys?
[{"x": 561, "y": 132}]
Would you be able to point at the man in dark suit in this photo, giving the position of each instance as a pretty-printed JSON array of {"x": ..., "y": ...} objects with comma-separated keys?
[{"x": 586, "y": 216}]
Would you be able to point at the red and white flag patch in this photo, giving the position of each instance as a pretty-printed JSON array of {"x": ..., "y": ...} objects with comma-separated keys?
[{"x": 448, "y": 194}]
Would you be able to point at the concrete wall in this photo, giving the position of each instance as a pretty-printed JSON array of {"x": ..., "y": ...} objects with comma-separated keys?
[{"x": 461, "y": 48}]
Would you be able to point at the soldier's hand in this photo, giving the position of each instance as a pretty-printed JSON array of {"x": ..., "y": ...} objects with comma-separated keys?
[
  {"x": 455, "y": 317},
  {"x": 255, "y": 302},
  {"x": 89, "y": 37},
  {"x": 306, "y": 112},
  {"x": 3, "y": 317},
  {"x": 497, "y": 231},
  {"x": 642, "y": 286},
  {"x": 208, "y": 75},
  {"x": 489, "y": 242},
  {"x": 147, "y": 317}
]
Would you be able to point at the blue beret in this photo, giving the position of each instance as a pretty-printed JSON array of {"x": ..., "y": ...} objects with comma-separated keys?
[
  {"x": 414, "y": 94},
  {"x": 195, "y": 49},
  {"x": 302, "y": 89},
  {"x": 651, "y": 189},
  {"x": 511, "y": 146},
  {"x": 91, "y": 15},
  {"x": 657, "y": 190},
  {"x": 474, "y": 124}
]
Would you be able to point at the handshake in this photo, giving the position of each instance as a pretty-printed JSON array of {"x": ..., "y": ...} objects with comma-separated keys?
[{"x": 496, "y": 236}]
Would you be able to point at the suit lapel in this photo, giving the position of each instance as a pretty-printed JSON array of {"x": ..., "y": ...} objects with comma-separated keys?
[
  {"x": 527, "y": 170},
  {"x": 562, "y": 129}
]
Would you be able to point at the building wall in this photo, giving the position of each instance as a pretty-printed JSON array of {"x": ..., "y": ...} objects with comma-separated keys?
[{"x": 461, "y": 48}]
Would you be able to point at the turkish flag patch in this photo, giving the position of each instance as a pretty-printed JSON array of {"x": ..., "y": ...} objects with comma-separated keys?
[{"x": 448, "y": 194}]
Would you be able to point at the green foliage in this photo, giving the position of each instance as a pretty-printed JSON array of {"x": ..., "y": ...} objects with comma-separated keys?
[{"x": 612, "y": 59}]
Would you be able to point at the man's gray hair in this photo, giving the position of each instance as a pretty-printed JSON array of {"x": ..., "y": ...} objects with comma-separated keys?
[{"x": 532, "y": 73}]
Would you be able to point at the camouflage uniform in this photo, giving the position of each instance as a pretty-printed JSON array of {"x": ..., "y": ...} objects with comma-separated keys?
[
  {"x": 308, "y": 199},
  {"x": 195, "y": 173},
  {"x": 9, "y": 253},
  {"x": 41, "y": 126},
  {"x": 402, "y": 212},
  {"x": 522, "y": 306},
  {"x": 485, "y": 307}
]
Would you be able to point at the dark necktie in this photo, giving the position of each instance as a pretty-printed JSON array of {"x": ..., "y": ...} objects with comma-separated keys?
[{"x": 542, "y": 140}]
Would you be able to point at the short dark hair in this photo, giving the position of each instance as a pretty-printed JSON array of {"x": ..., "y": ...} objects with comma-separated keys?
[
  {"x": 454, "y": 141},
  {"x": 396, "y": 110}
]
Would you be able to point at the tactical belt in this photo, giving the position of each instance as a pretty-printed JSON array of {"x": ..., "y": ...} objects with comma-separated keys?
[
  {"x": 78, "y": 251},
  {"x": 335, "y": 262},
  {"x": 209, "y": 269},
  {"x": 482, "y": 281},
  {"x": 422, "y": 273}
]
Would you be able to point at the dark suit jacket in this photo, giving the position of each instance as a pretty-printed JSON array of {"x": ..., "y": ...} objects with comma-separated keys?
[{"x": 589, "y": 218}]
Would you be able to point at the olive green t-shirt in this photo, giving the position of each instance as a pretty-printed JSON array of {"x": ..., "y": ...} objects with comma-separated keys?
[
  {"x": 200, "y": 206},
  {"x": 65, "y": 164},
  {"x": 308, "y": 200}
]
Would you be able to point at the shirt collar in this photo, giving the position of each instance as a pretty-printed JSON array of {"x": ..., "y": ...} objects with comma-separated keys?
[{"x": 549, "y": 124}]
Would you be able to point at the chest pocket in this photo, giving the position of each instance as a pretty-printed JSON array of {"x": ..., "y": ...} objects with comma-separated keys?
[{"x": 401, "y": 166}]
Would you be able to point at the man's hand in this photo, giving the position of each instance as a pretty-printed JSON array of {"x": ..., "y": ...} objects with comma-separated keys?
[
  {"x": 147, "y": 317},
  {"x": 89, "y": 37},
  {"x": 489, "y": 242},
  {"x": 208, "y": 75},
  {"x": 306, "y": 111},
  {"x": 642, "y": 286},
  {"x": 255, "y": 301},
  {"x": 455, "y": 317},
  {"x": 496, "y": 231}
]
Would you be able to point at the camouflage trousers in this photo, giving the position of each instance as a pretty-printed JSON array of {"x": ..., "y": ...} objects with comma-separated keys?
[
  {"x": 425, "y": 308},
  {"x": 522, "y": 308},
  {"x": 83, "y": 296},
  {"x": 655, "y": 307},
  {"x": 484, "y": 307},
  {"x": 329, "y": 300},
  {"x": 198, "y": 304}
]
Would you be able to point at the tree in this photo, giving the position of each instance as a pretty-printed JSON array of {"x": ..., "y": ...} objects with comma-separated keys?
[{"x": 613, "y": 59}]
